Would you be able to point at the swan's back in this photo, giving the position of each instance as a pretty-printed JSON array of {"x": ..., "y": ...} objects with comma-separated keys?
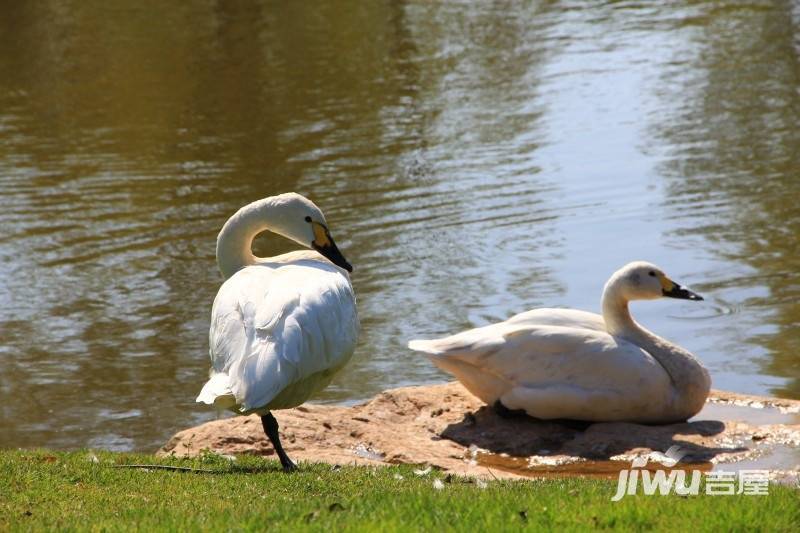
[
  {"x": 572, "y": 318},
  {"x": 279, "y": 332}
]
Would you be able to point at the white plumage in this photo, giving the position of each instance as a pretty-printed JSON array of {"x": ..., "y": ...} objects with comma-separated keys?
[
  {"x": 280, "y": 331},
  {"x": 281, "y": 327},
  {"x": 564, "y": 363}
]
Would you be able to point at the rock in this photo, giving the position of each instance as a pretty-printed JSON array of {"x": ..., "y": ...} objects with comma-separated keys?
[{"x": 448, "y": 428}]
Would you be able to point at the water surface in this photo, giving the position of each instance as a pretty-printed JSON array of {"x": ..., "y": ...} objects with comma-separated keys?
[{"x": 473, "y": 160}]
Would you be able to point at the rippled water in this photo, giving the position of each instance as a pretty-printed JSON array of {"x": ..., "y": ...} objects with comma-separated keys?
[{"x": 473, "y": 160}]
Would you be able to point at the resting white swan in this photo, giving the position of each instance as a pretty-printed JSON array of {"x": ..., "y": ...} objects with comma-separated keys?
[
  {"x": 282, "y": 326},
  {"x": 570, "y": 364}
]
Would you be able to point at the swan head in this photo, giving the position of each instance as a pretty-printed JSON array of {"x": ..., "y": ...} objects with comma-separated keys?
[
  {"x": 297, "y": 218},
  {"x": 645, "y": 281}
]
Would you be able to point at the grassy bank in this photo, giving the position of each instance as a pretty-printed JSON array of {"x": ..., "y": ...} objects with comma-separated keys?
[{"x": 88, "y": 490}]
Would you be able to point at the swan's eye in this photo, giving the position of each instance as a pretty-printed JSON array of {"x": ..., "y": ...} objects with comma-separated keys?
[
  {"x": 651, "y": 273},
  {"x": 308, "y": 219}
]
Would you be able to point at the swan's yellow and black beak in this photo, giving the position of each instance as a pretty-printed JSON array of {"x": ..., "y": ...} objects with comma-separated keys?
[
  {"x": 670, "y": 289},
  {"x": 324, "y": 244}
]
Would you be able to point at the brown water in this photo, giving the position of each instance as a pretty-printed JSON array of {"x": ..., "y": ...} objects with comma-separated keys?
[
  {"x": 473, "y": 160},
  {"x": 779, "y": 458}
]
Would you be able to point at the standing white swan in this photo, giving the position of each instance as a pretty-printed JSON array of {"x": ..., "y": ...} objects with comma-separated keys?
[
  {"x": 570, "y": 364},
  {"x": 282, "y": 326}
]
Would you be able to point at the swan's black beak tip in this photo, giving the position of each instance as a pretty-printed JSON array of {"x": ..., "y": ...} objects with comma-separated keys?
[
  {"x": 681, "y": 293},
  {"x": 331, "y": 252}
]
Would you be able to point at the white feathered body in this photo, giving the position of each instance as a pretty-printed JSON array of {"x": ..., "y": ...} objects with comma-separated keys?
[
  {"x": 280, "y": 330},
  {"x": 559, "y": 363}
]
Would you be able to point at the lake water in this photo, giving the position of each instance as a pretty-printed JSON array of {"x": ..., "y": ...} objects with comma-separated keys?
[{"x": 473, "y": 159}]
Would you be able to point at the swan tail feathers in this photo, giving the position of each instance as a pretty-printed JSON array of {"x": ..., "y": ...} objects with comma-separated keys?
[
  {"x": 217, "y": 392},
  {"x": 429, "y": 347},
  {"x": 468, "y": 346}
]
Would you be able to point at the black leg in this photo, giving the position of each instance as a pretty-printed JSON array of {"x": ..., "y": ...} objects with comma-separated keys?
[{"x": 271, "y": 429}]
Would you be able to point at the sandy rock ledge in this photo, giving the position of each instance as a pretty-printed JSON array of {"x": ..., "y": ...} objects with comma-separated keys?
[{"x": 446, "y": 427}]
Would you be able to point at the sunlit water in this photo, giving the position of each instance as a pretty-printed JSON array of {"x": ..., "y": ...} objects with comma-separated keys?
[{"x": 474, "y": 160}]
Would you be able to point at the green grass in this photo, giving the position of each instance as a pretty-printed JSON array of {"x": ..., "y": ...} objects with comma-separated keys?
[{"x": 46, "y": 490}]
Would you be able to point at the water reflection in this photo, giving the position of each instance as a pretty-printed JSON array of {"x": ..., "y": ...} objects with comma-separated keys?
[
  {"x": 734, "y": 154},
  {"x": 473, "y": 160}
]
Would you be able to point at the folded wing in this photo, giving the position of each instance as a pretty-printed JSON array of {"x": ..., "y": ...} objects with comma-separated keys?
[
  {"x": 274, "y": 327},
  {"x": 559, "y": 370}
]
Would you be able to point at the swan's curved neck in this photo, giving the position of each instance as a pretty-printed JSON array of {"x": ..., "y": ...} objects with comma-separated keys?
[
  {"x": 236, "y": 237},
  {"x": 688, "y": 375},
  {"x": 616, "y": 315}
]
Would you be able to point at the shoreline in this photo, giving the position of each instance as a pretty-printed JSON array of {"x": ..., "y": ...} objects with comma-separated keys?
[{"x": 445, "y": 427}]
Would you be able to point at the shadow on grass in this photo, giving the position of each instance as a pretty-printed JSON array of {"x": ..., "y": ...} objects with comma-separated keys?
[{"x": 212, "y": 467}]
